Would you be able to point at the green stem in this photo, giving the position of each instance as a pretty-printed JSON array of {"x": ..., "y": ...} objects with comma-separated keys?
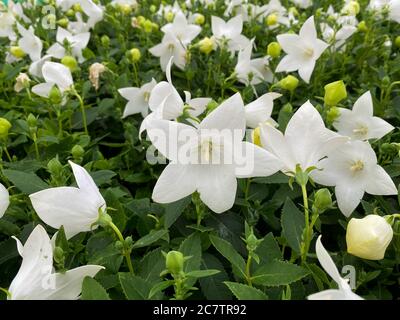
[
  {"x": 82, "y": 105},
  {"x": 36, "y": 146},
  {"x": 7, "y": 153},
  {"x": 126, "y": 254},
  {"x": 136, "y": 74},
  {"x": 307, "y": 224},
  {"x": 8, "y": 293},
  {"x": 248, "y": 266}
]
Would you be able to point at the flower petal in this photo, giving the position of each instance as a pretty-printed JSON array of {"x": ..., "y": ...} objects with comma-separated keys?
[
  {"x": 380, "y": 183},
  {"x": 348, "y": 197}
]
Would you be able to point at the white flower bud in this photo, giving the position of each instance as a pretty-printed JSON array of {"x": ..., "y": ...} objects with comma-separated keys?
[
  {"x": 368, "y": 237},
  {"x": 95, "y": 71},
  {"x": 22, "y": 82}
]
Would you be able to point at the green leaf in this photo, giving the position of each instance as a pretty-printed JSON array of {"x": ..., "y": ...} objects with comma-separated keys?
[
  {"x": 268, "y": 250},
  {"x": 158, "y": 287},
  {"x": 202, "y": 273},
  {"x": 227, "y": 250},
  {"x": 245, "y": 292},
  {"x": 150, "y": 239},
  {"x": 174, "y": 210},
  {"x": 278, "y": 273},
  {"x": 150, "y": 267},
  {"x": 191, "y": 246},
  {"x": 275, "y": 178},
  {"x": 92, "y": 290},
  {"x": 61, "y": 240},
  {"x": 102, "y": 176},
  {"x": 292, "y": 225},
  {"x": 8, "y": 228},
  {"x": 213, "y": 287},
  {"x": 134, "y": 287},
  {"x": 27, "y": 182}
]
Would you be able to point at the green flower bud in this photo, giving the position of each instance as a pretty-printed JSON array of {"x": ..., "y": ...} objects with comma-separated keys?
[
  {"x": 148, "y": 26},
  {"x": 362, "y": 26},
  {"x": 322, "y": 200},
  {"x": 397, "y": 41},
  {"x": 77, "y": 7},
  {"x": 293, "y": 10},
  {"x": 55, "y": 95},
  {"x": 54, "y": 166},
  {"x": 5, "y": 126},
  {"x": 125, "y": 9},
  {"x": 271, "y": 20},
  {"x": 63, "y": 22},
  {"x": 135, "y": 54},
  {"x": 199, "y": 19},
  {"x": 206, "y": 45},
  {"x": 70, "y": 62},
  {"x": 70, "y": 13},
  {"x": 155, "y": 26},
  {"x": 32, "y": 121},
  {"x": 17, "y": 52},
  {"x": 332, "y": 114},
  {"x": 141, "y": 20},
  {"x": 174, "y": 262},
  {"x": 274, "y": 49},
  {"x": 252, "y": 242},
  {"x": 77, "y": 151},
  {"x": 105, "y": 41},
  {"x": 211, "y": 106},
  {"x": 352, "y": 8},
  {"x": 385, "y": 81},
  {"x": 289, "y": 83},
  {"x": 58, "y": 255},
  {"x": 388, "y": 148},
  {"x": 153, "y": 8},
  {"x": 169, "y": 16},
  {"x": 335, "y": 92}
]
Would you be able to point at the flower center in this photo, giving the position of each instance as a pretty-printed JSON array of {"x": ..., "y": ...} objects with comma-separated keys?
[
  {"x": 361, "y": 130},
  {"x": 171, "y": 47},
  {"x": 357, "y": 166},
  {"x": 309, "y": 52},
  {"x": 206, "y": 150},
  {"x": 146, "y": 96}
]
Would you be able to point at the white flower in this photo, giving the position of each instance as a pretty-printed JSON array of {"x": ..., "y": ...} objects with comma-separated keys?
[
  {"x": 302, "y": 50},
  {"x": 344, "y": 291},
  {"x": 359, "y": 123},
  {"x": 392, "y": 6},
  {"x": 181, "y": 29},
  {"x": 36, "y": 279},
  {"x": 21, "y": 82},
  {"x": 304, "y": 4},
  {"x": 77, "y": 209},
  {"x": 7, "y": 21},
  {"x": 170, "y": 47},
  {"x": 306, "y": 140},
  {"x": 4, "y": 200},
  {"x": 92, "y": 11},
  {"x": 30, "y": 43},
  {"x": 252, "y": 71},
  {"x": 229, "y": 33},
  {"x": 353, "y": 169},
  {"x": 274, "y": 7},
  {"x": 369, "y": 237},
  {"x": 138, "y": 99},
  {"x": 259, "y": 111},
  {"x": 35, "y": 69},
  {"x": 208, "y": 159},
  {"x": 166, "y": 103},
  {"x": 75, "y": 42},
  {"x": 54, "y": 74},
  {"x": 337, "y": 39}
]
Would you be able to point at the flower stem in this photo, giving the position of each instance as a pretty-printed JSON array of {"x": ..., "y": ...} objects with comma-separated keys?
[
  {"x": 8, "y": 293},
  {"x": 127, "y": 254},
  {"x": 307, "y": 236},
  {"x": 7, "y": 153},
  {"x": 82, "y": 105},
  {"x": 248, "y": 266},
  {"x": 36, "y": 146}
]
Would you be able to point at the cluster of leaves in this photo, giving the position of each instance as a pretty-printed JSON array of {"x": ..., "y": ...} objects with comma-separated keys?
[{"x": 256, "y": 245}]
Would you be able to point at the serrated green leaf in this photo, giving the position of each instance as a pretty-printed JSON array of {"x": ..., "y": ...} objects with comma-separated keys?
[
  {"x": 245, "y": 292},
  {"x": 227, "y": 250},
  {"x": 293, "y": 224},
  {"x": 150, "y": 239},
  {"x": 278, "y": 273},
  {"x": 92, "y": 290},
  {"x": 27, "y": 182},
  {"x": 202, "y": 273},
  {"x": 174, "y": 210},
  {"x": 134, "y": 287}
]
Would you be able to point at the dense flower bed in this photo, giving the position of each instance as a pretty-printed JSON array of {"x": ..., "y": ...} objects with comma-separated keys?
[{"x": 204, "y": 149}]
